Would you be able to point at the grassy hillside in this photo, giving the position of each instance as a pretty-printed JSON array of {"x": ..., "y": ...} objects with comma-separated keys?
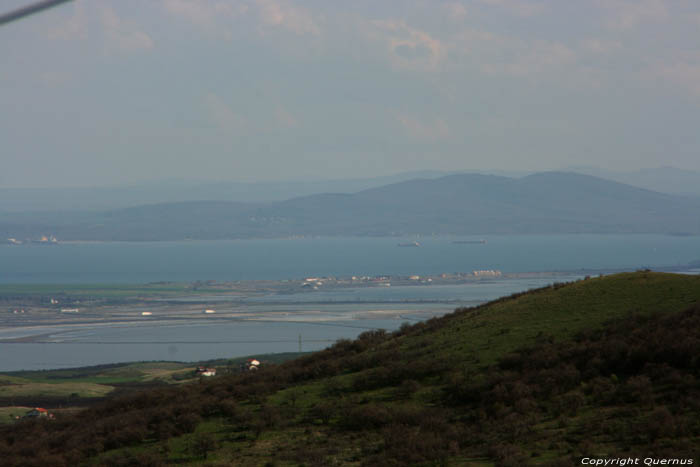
[
  {"x": 86, "y": 386},
  {"x": 601, "y": 367}
]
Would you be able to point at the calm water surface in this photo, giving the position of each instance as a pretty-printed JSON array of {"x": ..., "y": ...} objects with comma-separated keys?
[
  {"x": 275, "y": 326},
  {"x": 295, "y": 258},
  {"x": 313, "y": 316}
]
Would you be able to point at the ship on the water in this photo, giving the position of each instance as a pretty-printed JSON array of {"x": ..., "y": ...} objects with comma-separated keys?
[
  {"x": 409, "y": 244},
  {"x": 470, "y": 242},
  {"x": 45, "y": 240}
]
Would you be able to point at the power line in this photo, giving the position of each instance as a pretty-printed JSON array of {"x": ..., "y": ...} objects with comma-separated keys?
[{"x": 29, "y": 10}]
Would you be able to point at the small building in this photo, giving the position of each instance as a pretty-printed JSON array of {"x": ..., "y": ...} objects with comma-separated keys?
[
  {"x": 252, "y": 364},
  {"x": 203, "y": 371},
  {"x": 487, "y": 273},
  {"x": 312, "y": 281},
  {"x": 38, "y": 412}
]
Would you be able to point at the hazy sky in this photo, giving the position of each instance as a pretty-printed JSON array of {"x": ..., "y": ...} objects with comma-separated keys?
[{"x": 110, "y": 92}]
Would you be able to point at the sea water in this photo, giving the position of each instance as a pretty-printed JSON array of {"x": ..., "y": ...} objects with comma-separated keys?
[
  {"x": 141, "y": 262},
  {"x": 320, "y": 317}
]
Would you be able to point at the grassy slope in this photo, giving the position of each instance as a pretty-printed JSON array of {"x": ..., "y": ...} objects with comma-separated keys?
[
  {"x": 470, "y": 340},
  {"x": 484, "y": 334},
  {"x": 291, "y": 399}
]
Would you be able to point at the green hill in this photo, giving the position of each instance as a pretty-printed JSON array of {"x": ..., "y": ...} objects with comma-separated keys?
[{"x": 603, "y": 367}]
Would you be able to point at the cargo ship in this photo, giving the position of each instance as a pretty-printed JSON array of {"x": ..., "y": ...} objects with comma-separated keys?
[
  {"x": 44, "y": 240},
  {"x": 409, "y": 244}
]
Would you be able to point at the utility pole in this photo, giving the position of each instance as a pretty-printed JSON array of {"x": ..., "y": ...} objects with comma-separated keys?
[{"x": 299, "y": 343}]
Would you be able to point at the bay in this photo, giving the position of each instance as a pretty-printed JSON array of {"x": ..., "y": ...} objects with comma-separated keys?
[
  {"x": 187, "y": 261},
  {"x": 321, "y": 317}
]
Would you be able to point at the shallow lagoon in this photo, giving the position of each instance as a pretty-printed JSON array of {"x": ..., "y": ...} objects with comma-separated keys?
[
  {"x": 320, "y": 317},
  {"x": 267, "y": 325}
]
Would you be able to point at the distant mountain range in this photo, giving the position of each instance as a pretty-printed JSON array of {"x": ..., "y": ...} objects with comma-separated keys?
[
  {"x": 175, "y": 191},
  {"x": 462, "y": 204},
  {"x": 665, "y": 180}
]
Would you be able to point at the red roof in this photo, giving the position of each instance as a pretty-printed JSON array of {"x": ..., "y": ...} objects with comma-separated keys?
[{"x": 39, "y": 409}]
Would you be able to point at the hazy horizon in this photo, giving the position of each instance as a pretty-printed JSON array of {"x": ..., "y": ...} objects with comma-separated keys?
[
  {"x": 381, "y": 178},
  {"x": 99, "y": 92}
]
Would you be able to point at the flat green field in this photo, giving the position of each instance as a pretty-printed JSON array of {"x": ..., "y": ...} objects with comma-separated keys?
[
  {"x": 55, "y": 390},
  {"x": 98, "y": 381},
  {"x": 90, "y": 382},
  {"x": 7, "y": 414},
  {"x": 103, "y": 374}
]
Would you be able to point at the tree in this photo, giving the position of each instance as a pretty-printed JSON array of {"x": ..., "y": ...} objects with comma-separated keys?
[{"x": 202, "y": 444}]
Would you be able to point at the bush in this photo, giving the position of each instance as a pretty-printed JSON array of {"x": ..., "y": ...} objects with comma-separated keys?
[
  {"x": 202, "y": 444},
  {"x": 364, "y": 417}
]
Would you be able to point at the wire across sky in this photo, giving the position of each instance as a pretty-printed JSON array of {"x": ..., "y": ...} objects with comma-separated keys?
[{"x": 29, "y": 10}]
